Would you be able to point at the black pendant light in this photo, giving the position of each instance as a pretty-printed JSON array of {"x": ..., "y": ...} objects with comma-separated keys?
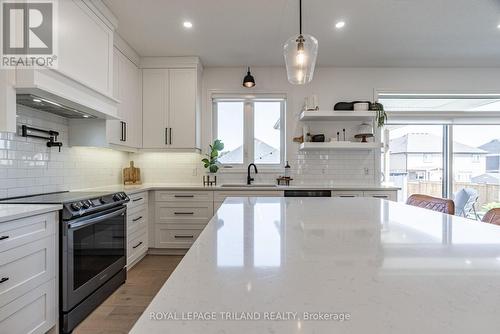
[{"x": 249, "y": 80}]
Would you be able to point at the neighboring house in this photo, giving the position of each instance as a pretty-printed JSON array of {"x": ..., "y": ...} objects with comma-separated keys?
[
  {"x": 488, "y": 178},
  {"x": 420, "y": 156},
  {"x": 493, "y": 156},
  {"x": 264, "y": 153}
]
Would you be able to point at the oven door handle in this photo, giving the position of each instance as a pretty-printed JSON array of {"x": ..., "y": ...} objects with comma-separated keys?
[{"x": 86, "y": 222}]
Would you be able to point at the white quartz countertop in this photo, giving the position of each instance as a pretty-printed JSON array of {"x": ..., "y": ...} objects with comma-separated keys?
[
  {"x": 389, "y": 267},
  {"x": 10, "y": 212},
  {"x": 194, "y": 187}
]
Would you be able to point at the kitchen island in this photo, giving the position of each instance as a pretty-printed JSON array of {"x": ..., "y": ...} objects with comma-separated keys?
[{"x": 343, "y": 265}]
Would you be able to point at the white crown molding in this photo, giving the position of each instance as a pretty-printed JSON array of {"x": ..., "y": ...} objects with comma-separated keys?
[
  {"x": 103, "y": 12},
  {"x": 126, "y": 49},
  {"x": 171, "y": 62}
]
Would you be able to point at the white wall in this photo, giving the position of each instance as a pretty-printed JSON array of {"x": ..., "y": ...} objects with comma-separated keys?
[
  {"x": 28, "y": 166},
  {"x": 340, "y": 84}
]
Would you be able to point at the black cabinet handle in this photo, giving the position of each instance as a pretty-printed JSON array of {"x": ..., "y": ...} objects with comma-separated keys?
[
  {"x": 166, "y": 136},
  {"x": 3, "y": 237},
  {"x": 4, "y": 279},
  {"x": 140, "y": 243},
  {"x": 138, "y": 218},
  {"x": 183, "y": 213},
  {"x": 137, "y": 199},
  {"x": 184, "y": 236},
  {"x": 122, "y": 124},
  {"x": 170, "y": 136},
  {"x": 184, "y": 196},
  {"x": 125, "y": 132}
]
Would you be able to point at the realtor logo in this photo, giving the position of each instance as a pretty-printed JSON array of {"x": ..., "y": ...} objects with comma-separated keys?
[{"x": 27, "y": 33}]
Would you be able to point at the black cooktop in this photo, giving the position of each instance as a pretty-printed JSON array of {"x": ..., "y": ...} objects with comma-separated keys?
[{"x": 56, "y": 198}]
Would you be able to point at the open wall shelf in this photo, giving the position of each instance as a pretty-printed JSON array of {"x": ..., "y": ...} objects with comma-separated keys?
[
  {"x": 337, "y": 115},
  {"x": 340, "y": 145}
]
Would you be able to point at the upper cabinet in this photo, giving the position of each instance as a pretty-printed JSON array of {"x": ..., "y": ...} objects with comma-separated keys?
[
  {"x": 127, "y": 88},
  {"x": 171, "y": 106},
  {"x": 85, "y": 51}
]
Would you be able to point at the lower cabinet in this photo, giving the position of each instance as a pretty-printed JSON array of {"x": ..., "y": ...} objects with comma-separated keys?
[
  {"x": 180, "y": 216},
  {"x": 391, "y": 195},
  {"x": 28, "y": 287},
  {"x": 137, "y": 228}
]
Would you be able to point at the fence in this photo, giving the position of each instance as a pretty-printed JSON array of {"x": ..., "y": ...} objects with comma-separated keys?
[{"x": 488, "y": 193}]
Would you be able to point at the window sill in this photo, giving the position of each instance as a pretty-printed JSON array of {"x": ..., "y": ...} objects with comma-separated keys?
[{"x": 239, "y": 170}]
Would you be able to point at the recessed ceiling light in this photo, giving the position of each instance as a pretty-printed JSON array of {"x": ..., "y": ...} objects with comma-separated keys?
[
  {"x": 498, "y": 26},
  {"x": 340, "y": 24},
  {"x": 187, "y": 24}
]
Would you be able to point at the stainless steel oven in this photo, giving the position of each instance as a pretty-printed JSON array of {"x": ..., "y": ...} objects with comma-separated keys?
[{"x": 93, "y": 250}]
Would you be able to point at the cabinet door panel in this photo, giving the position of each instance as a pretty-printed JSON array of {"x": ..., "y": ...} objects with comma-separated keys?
[
  {"x": 182, "y": 108},
  {"x": 85, "y": 47},
  {"x": 154, "y": 91}
]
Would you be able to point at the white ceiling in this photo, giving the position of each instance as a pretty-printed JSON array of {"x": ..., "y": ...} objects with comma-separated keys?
[{"x": 395, "y": 33}]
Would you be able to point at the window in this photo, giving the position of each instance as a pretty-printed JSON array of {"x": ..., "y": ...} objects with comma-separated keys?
[
  {"x": 428, "y": 158},
  {"x": 251, "y": 130}
]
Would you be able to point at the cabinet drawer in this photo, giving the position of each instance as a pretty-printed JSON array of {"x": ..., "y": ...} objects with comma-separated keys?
[
  {"x": 181, "y": 213},
  {"x": 137, "y": 221},
  {"x": 167, "y": 237},
  {"x": 33, "y": 312},
  {"x": 183, "y": 196},
  {"x": 347, "y": 194},
  {"x": 26, "y": 230},
  {"x": 25, "y": 267},
  {"x": 137, "y": 200},
  {"x": 388, "y": 195},
  {"x": 137, "y": 245}
]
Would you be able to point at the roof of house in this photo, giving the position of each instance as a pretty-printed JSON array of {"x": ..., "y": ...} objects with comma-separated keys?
[
  {"x": 490, "y": 178},
  {"x": 266, "y": 152},
  {"x": 427, "y": 143},
  {"x": 492, "y": 146}
]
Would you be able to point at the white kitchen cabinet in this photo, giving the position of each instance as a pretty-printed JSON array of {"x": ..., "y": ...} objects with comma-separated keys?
[
  {"x": 171, "y": 111},
  {"x": 391, "y": 195},
  {"x": 28, "y": 289},
  {"x": 85, "y": 46},
  {"x": 347, "y": 194},
  {"x": 137, "y": 228},
  {"x": 180, "y": 216},
  {"x": 127, "y": 89},
  {"x": 126, "y": 132},
  {"x": 220, "y": 196}
]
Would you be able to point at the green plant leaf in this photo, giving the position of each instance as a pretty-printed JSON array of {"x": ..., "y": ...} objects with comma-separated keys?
[
  {"x": 204, "y": 160},
  {"x": 214, "y": 154},
  {"x": 218, "y": 145},
  {"x": 213, "y": 168}
]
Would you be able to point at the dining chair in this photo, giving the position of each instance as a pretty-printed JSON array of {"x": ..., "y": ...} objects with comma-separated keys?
[
  {"x": 432, "y": 203},
  {"x": 465, "y": 203},
  {"x": 492, "y": 216}
]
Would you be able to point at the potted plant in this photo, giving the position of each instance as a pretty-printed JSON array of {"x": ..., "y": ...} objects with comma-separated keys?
[
  {"x": 211, "y": 162},
  {"x": 381, "y": 116}
]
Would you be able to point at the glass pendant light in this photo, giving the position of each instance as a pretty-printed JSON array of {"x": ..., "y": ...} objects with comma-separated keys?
[{"x": 300, "y": 55}]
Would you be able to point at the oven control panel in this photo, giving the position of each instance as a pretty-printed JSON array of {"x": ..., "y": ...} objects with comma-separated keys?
[{"x": 93, "y": 205}]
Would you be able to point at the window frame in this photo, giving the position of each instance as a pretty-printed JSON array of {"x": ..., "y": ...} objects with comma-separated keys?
[{"x": 248, "y": 128}]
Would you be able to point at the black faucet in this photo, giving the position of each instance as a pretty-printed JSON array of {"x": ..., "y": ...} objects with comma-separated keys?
[{"x": 250, "y": 179}]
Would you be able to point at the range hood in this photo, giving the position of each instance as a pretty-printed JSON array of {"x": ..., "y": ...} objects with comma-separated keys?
[
  {"x": 50, "y": 91},
  {"x": 43, "y": 104}
]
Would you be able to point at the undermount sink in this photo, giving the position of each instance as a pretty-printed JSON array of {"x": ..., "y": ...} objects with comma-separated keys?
[{"x": 253, "y": 185}]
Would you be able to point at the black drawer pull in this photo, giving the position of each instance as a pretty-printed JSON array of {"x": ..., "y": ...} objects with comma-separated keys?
[
  {"x": 184, "y": 213},
  {"x": 140, "y": 243},
  {"x": 138, "y": 218},
  {"x": 3, "y": 237},
  {"x": 184, "y": 236},
  {"x": 347, "y": 196},
  {"x": 4, "y": 279},
  {"x": 137, "y": 199},
  {"x": 184, "y": 196}
]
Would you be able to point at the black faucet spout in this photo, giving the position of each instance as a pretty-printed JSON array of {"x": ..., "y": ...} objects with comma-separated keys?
[{"x": 250, "y": 179}]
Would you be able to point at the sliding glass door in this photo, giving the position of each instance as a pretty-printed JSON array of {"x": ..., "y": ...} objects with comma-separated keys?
[{"x": 413, "y": 159}]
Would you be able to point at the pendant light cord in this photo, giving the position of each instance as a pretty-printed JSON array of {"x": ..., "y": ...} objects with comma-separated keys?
[{"x": 300, "y": 17}]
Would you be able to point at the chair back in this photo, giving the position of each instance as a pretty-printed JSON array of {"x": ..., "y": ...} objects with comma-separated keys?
[
  {"x": 465, "y": 199},
  {"x": 492, "y": 216},
  {"x": 432, "y": 203}
]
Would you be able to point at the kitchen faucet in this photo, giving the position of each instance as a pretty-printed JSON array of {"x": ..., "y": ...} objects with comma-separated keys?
[{"x": 250, "y": 179}]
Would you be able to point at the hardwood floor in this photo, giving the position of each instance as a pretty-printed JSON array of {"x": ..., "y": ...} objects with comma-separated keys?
[{"x": 121, "y": 310}]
